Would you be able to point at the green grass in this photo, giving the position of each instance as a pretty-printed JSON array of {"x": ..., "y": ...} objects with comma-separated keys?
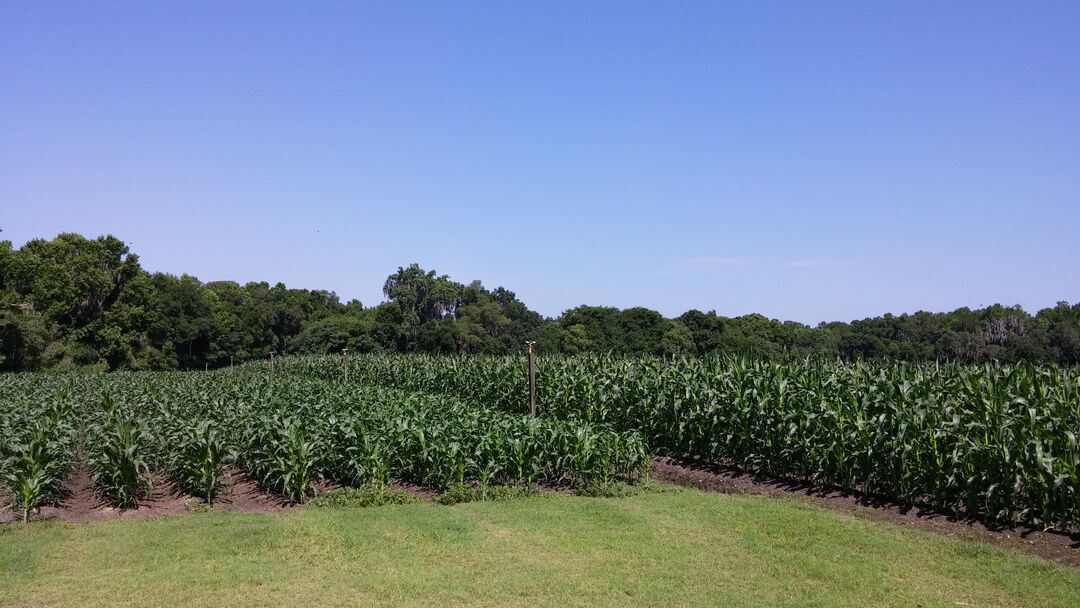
[
  {"x": 660, "y": 549},
  {"x": 367, "y": 496},
  {"x": 459, "y": 493}
]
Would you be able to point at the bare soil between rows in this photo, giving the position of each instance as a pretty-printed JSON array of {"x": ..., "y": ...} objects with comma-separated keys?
[
  {"x": 82, "y": 503},
  {"x": 1062, "y": 547},
  {"x": 237, "y": 493}
]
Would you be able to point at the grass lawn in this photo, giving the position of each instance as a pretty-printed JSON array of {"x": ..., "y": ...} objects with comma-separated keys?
[{"x": 674, "y": 549}]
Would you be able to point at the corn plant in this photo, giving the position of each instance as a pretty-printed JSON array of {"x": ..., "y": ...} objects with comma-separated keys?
[
  {"x": 35, "y": 441},
  {"x": 198, "y": 453},
  {"x": 367, "y": 454},
  {"x": 119, "y": 469},
  {"x": 37, "y": 466},
  {"x": 283, "y": 455}
]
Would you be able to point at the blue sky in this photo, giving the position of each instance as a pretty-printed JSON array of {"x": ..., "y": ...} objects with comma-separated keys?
[{"x": 809, "y": 161}]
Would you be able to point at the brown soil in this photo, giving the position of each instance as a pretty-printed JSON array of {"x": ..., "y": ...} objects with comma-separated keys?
[
  {"x": 423, "y": 493},
  {"x": 81, "y": 502},
  {"x": 1057, "y": 546},
  {"x": 238, "y": 493}
]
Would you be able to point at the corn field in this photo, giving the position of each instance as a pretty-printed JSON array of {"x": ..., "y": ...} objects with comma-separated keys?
[
  {"x": 991, "y": 441},
  {"x": 287, "y": 430}
]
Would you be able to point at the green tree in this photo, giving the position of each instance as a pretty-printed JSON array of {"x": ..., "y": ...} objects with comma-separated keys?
[
  {"x": 23, "y": 338},
  {"x": 600, "y": 329},
  {"x": 575, "y": 339},
  {"x": 677, "y": 340}
]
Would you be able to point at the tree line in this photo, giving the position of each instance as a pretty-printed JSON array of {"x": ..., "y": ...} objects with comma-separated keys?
[{"x": 73, "y": 302}]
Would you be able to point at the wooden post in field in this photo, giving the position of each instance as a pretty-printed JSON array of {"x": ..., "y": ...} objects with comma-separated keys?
[
  {"x": 206, "y": 366},
  {"x": 271, "y": 361},
  {"x": 532, "y": 377},
  {"x": 230, "y": 361},
  {"x": 345, "y": 363}
]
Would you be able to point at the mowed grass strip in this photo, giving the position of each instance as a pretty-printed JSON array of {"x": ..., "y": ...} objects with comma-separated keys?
[{"x": 680, "y": 548}]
